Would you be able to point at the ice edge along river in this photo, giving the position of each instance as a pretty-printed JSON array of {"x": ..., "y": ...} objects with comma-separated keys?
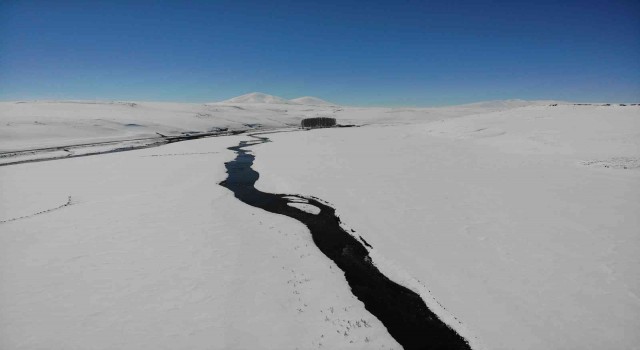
[{"x": 402, "y": 311}]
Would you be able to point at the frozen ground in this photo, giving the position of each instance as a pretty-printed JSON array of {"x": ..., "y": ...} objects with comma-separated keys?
[
  {"x": 510, "y": 219},
  {"x": 74, "y": 127},
  {"x": 516, "y": 221},
  {"x": 152, "y": 254}
]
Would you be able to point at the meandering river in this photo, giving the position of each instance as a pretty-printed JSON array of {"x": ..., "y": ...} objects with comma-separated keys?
[{"x": 402, "y": 311}]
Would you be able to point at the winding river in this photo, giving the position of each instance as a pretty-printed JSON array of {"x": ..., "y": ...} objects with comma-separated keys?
[{"x": 402, "y": 311}]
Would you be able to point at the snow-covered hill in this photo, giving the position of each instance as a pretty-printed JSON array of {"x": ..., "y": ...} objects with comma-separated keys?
[
  {"x": 37, "y": 124},
  {"x": 262, "y": 98},
  {"x": 256, "y": 97},
  {"x": 312, "y": 101}
]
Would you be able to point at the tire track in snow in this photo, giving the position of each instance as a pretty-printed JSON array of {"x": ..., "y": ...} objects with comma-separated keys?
[{"x": 68, "y": 203}]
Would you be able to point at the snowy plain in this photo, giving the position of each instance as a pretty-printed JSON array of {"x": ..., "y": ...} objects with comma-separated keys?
[
  {"x": 516, "y": 221},
  {"x": 26, "y": 125},
  {"x": 153, "y": 254},
  {"x": 522, "y": 224}
]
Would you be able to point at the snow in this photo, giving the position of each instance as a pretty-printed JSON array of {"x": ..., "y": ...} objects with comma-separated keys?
[
  {"x": 311, "y": 209},
  {"x": 38, "y": 124},
  {"x": 509, "y": 104},
  {"x": 259, "y": 97},
  {"x": 313, "y": 101},
  {"x": 151, "y": 254},
  {"x": 52, "y": 123},
  {"x": 497, "y": 217},
  {"x": 73, "y": 127},
  {"x": 256, "y": 97},
  {"x": 515, "y": 220}
]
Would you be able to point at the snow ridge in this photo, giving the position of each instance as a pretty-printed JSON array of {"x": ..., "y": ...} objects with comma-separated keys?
[
  {"x": 313, "y": 101},
  {"x": 259, "y": 97}
]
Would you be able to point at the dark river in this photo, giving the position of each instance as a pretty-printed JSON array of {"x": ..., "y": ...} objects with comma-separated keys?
[{"x": 402, "y": 311}]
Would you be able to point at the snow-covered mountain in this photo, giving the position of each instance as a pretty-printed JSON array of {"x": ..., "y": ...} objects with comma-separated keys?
[
  {"x": 313, "y": 101},
  {"x": 257, "y": 97}
]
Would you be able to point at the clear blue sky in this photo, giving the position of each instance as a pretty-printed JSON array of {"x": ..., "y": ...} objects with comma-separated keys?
[{"x": 418, "y": 53}]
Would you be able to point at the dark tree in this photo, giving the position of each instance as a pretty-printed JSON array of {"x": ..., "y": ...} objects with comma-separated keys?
[{"x": 321, "y": 122}]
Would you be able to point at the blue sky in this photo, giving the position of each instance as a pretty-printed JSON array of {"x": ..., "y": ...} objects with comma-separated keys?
[{"x": 418, "y": 53}]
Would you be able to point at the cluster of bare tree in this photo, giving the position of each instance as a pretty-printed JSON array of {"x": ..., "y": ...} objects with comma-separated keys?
[{"x": 320, "y": 122}]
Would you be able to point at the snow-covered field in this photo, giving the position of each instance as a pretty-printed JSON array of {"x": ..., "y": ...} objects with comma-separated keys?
[
  {"x": 153, "y": 254},
  {"x": 516, "y": 221},
  {"x": 57, "y": 125},
  {"x": 523, "y": 224}
]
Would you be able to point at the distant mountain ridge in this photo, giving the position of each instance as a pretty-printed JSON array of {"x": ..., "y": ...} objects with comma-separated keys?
[
  {"x": 507, "y": 104},
  {"x": 262, "y": 98},
  {"x": 259, "y": 97}
]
